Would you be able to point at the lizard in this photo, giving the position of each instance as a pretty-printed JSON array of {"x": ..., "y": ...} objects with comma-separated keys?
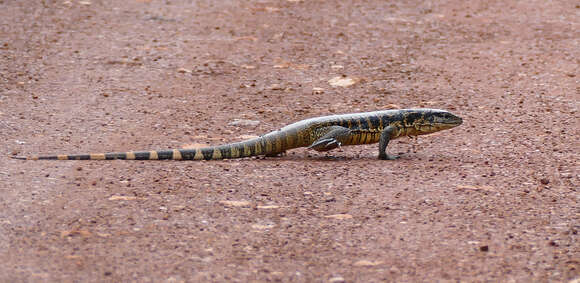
[{"x": 321, "y": 134}]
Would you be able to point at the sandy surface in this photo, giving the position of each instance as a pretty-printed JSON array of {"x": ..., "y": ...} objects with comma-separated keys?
[{"x": 496, "y": 199}]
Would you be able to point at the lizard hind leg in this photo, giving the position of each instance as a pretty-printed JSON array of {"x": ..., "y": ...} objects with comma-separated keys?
[{"x": 334, "y": 137}]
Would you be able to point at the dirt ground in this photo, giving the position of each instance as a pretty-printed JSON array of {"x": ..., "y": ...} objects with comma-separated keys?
[{"x": 496, "y": 199}]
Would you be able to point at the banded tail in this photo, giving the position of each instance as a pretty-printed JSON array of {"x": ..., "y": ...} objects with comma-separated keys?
[{"x": 266, "y": 145}]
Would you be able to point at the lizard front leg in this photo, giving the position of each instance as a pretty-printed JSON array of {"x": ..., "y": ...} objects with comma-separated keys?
[{"x": 384, "y": 140}]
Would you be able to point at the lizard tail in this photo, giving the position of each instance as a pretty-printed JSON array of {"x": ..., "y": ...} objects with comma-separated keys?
[{"x": 266, "y": 145}]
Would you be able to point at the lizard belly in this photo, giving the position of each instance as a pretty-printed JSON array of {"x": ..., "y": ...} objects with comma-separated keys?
[{"x": 363, "y": 137}]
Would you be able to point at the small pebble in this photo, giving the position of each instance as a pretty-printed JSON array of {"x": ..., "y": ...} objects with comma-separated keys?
[
  {"x": 244, "y": 123},
  {"x": 337, "y": 279}
]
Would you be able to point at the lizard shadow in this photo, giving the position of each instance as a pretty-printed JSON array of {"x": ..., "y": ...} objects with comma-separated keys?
[{"x": 329, "y": 158}]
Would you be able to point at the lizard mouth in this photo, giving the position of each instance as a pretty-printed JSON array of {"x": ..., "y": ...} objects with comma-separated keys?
[
  {"x": 454, "y": 121},
  {"x": 448, "y": 120}
]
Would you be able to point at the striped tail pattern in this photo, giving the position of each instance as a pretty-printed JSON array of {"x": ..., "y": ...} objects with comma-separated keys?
[{"x": 270, "y": 144}]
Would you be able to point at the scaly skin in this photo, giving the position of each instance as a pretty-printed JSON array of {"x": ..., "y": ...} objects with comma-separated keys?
[{"x": 321, "y": 134}]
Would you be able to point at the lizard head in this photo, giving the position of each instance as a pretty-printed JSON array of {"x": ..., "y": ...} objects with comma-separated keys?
[
  {"x": 443, "y": 119},
  {"x": 426, "y": 121}
]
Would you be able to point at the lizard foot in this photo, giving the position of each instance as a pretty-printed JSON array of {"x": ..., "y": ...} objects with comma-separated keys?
[
  {"x": 388, "y": 157},
  {"x": 325, "y": 144}
]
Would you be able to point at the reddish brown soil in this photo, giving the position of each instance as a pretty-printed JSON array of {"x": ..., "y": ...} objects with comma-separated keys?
[{"x": 496, "y": 199}]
